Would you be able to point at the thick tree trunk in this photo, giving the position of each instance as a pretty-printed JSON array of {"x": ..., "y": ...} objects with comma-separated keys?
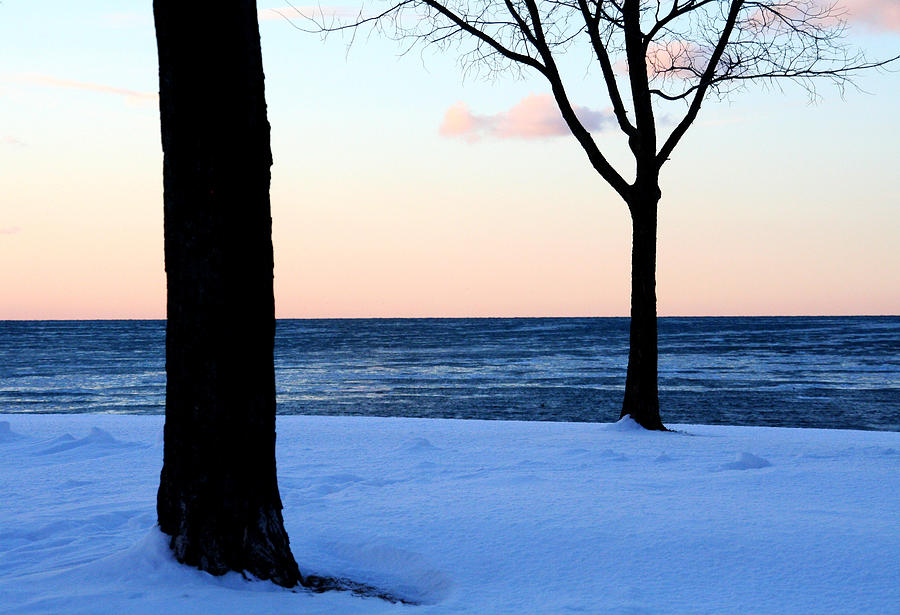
[
  {"x": 641, "y": 389},
  {"x": 218, "y": 496}
]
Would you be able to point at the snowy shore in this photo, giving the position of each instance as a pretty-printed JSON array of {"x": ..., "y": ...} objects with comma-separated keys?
[{"x": 477, "y": 517}]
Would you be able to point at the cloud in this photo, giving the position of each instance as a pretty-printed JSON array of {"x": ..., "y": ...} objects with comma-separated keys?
[
  {"x": 10, "y": 230},
  {"x": 11, "y": 141},
  {"x": 876, "y": 14},
  {"x": 676, "y": 58},
  {"x": 671, "y": 59},
  {"x": 131, "y": 96},
  {"x": 534, "y": 117},
  {"x": 459, "y": 121}
]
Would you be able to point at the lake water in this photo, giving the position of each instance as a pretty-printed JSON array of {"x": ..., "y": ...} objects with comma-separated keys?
[{"x": 835, "y": 372}]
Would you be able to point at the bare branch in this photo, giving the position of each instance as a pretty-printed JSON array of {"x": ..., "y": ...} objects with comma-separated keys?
[
  {"x": 705, "y": 82},
  {"x": 592, "y": 26},
  {"x": 676, "y": 11},
  {"x": 473, "y": 30}
]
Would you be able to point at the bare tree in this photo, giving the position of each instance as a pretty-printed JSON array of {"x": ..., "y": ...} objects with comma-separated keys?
[{"x": 651, "y": 54}]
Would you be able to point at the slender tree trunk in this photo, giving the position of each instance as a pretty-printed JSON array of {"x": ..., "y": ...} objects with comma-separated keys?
[
  {"x": 218, "y": 496},
  {"x": 641, "y": 388}
]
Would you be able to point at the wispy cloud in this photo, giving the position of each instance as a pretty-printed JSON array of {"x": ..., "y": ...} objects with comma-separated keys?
[
  {"x": 876, "y": 14},
  {"x": 534, "y": 117},
  {"x": 11, "y": 141},
  {"x": 10, "y": 230},
  {"x": 132, "y": 96}
]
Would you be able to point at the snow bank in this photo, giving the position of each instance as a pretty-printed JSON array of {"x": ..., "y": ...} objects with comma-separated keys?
[{"x": 472, "y": 517}]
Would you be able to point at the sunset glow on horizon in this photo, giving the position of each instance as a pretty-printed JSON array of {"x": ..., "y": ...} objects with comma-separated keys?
[{"x": 399, "y": 190}]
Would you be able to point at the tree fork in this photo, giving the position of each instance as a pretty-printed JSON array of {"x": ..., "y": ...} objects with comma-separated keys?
[{"x": 641, "y": 399}]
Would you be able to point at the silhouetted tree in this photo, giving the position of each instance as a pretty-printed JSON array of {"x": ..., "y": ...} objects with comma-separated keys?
[
  {"x": 218, "y": 495},
  {"x": 648, "y": 53}
]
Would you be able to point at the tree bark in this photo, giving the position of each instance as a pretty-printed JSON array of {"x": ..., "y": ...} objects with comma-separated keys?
[
  {"x": 218, "y": 496},
  {"x": 641, "y": 400}
]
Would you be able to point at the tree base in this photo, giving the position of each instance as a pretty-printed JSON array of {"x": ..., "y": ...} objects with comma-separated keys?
[
  {"x": 261, "y": 549},
  {"x": 647, "y": 420}
]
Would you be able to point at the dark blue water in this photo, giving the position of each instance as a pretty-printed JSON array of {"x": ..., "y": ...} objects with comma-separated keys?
[{"x": 836, "y": 372}]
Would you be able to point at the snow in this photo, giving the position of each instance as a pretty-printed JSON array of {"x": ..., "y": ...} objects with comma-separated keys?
[{"x": 478, "y": 517}]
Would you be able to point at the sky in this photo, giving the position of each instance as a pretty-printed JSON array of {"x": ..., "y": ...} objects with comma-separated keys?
[{"x": 403, "y": 187}]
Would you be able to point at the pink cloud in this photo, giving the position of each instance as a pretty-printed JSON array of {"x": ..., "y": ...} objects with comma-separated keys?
[
  {"x": 459, "y": 121},
  {"x": 662, "y": 57},
  {"x": 877, "y": 14},
  {"x": 130, "y": 95},
  {"x": 675, "y": 58},
  {"x": 874, "y": 14},
  {"x": 10, "y": 230},
  {"x": 535, "y": 116},
  {"x": 12, "y": 141}
]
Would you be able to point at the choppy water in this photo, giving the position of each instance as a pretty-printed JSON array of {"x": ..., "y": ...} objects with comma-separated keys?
[{"x": 837, "y": 372}]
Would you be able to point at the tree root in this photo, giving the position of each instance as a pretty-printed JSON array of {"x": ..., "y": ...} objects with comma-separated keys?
[{"x": 318, "y": 585}]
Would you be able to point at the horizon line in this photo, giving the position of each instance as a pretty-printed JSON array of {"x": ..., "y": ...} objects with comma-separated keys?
[{"x": 127, "y": 319}]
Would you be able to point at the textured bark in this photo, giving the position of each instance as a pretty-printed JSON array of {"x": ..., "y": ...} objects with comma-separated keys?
[
  {"x": 641, "y": 400},
  {"x": 218, "y": 497}
]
